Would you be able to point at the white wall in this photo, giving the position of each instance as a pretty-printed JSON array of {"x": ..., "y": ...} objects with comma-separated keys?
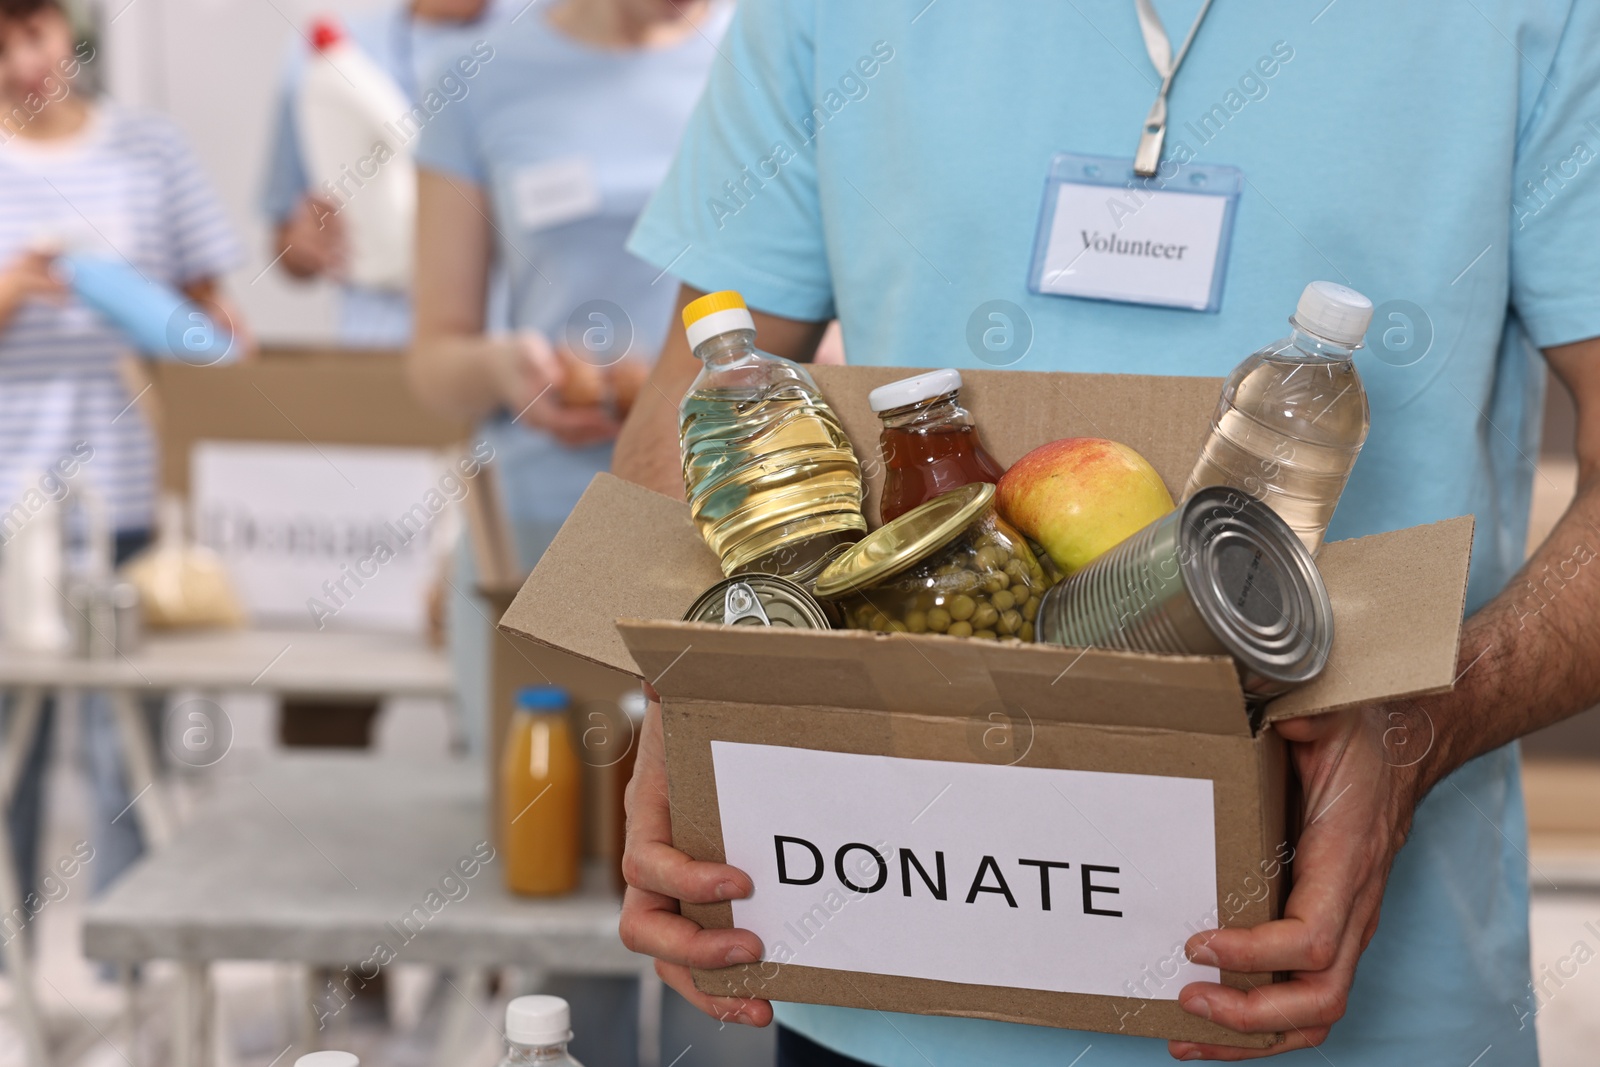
[{"x": 214, "y": 66}]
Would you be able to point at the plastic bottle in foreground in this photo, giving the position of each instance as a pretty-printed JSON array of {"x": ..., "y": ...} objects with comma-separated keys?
[
  {"x": 1293, "y": 417},
  {"x": 328, "y": 1059},
  {"x": 772, "y": 482},
  {"x": 537, "y": 1031},
  {"x": 541, "y": 799}
]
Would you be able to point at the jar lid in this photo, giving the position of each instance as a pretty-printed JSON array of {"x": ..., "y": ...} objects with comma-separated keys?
[
  {"x": 913, "y": 390},
  {"x": 906, "y": 541}
]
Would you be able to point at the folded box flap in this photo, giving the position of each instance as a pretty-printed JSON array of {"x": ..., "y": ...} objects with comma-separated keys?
[
  {"x": 1398, "y": 599},
  {"x": 935, "y": 675},
  {"x": 624, "y": 552}
]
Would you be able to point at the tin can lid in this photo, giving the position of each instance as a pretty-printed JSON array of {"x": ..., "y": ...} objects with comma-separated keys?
[
  {"x": 758, "y": 600},
  {"x": 1256, "y": 585},
  {"x": 906, "y": 541}
]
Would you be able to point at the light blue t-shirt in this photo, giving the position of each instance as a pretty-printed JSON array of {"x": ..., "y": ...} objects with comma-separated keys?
[
  {"x": 568, "y": 142},
  {"x": 885, "y": 162},
  {"x": 417, "y": 54}
]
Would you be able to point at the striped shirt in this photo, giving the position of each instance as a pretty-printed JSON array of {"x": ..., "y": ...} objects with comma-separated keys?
[{"x": 126, "y": 186}]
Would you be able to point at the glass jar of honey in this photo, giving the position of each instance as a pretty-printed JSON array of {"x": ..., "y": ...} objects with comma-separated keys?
[{"x": 929, "y": 442}]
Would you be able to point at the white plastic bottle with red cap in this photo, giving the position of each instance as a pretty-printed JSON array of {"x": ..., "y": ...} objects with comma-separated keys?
[
  {"x": 537, "y": 1031},
  {"x": 356, "y": 130},
  {"x": 1293, "y": 417}
]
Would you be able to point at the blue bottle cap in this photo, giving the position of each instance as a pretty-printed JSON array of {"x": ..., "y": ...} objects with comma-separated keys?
[{"x": 543, "y": 698}]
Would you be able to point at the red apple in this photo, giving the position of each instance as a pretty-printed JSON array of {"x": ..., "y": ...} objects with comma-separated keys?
[{"x": 1080, "y": 496}]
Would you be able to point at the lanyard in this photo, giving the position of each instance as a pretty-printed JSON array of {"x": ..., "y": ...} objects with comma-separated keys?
[{"x": 1156, "y": 42}]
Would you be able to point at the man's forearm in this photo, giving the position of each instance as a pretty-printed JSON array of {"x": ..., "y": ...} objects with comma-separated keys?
[{"x": 1531, "y": 656}]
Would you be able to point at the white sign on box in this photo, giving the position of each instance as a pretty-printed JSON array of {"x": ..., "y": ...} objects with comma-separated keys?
[
  {"x": 298, "y": 527},
  {"x": 1024, "y": 877}
]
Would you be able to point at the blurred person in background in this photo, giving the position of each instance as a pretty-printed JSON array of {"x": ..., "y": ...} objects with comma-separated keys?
[
  {"x": 309, "y": 239},
  {"x": 79, "y": 167},
  {"x": 540, "y": 172}
]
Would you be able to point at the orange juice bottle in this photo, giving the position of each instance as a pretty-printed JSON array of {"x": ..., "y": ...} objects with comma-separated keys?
[{"x": 540, "y": 787}]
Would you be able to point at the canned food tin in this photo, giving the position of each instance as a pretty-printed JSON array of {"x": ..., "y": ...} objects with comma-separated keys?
[
  {"x": 1221, "y": 574},
  {"x": 759, "y": 600}
]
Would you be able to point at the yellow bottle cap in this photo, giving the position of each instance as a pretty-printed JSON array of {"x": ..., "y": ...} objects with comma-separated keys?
[
  {"x": 713, "y": 315},
  {"x": 710, "y": 304}
]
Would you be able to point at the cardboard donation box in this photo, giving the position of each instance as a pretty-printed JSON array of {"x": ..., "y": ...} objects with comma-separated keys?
[{"x": 958, "y": 827}]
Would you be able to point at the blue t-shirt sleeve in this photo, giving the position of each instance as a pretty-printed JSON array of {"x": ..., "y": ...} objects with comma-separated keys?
[
  {"x": 1555, "y": 259},
  {"x": 203, "y": 241},
  {"x": 285, "y": 179},
  {"x": 739, "y": 208},
  {"x": 449, "y": 143}
]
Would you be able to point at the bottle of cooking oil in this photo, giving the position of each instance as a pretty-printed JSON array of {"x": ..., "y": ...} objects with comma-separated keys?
[
  {"x": 772, "y": 482},
  {"x": 1293, "y": 416}
]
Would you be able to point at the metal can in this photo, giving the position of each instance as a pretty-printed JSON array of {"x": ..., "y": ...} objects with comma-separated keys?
[
  {"x": 759, "y": 600},
  {"x": 1221, "y": 574}
]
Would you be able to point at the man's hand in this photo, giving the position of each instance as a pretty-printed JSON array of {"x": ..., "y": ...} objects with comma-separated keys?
[
  {"x": 311, "y": 241},
  {"x": 659, "y": 876},
  {"x": 536, "y": 383},
  {"x": 1357, "y": 811}
]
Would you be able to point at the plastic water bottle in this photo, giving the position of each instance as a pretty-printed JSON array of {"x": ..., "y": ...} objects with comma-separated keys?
[
  {"x": 1293, "y": 417},
  {"x": 328, "y": 1059},
  {"x": 537, "y": 1031},
  {"x": 356, "y": 127}
]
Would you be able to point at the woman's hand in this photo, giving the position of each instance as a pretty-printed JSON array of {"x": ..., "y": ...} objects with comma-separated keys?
[
  {"x": 540, "y": 387},
  {"x": 29, "y": 277},
  {"x": 659, "y": 876},
  {"x": 311, "y": 241}
]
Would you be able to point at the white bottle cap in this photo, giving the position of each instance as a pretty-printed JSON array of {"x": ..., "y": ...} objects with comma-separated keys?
[
  {"x": 538, "y": 1020},
  {"x": 1335, "y": 312},
  {"x": 328, "y": 1059},
  {"x": 914, "y": 390}
]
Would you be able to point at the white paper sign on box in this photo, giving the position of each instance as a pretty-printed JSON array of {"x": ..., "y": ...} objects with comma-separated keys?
[
  {"x": 1067, "y": 881},
  {"x": 299, "y": 526}
]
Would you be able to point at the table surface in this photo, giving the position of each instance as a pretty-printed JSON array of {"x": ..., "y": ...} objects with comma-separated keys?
[
  {"x": 304, "y": 662},
  {"x": 323, "y": 858}
]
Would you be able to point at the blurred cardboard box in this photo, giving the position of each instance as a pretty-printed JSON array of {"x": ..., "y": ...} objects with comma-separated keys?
[
  {"x": 902, "y": 861},
  {"x": 327, "y": 404},
  {"x": 313, "y": 396},
  {"x": 315, "y": 475}
]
